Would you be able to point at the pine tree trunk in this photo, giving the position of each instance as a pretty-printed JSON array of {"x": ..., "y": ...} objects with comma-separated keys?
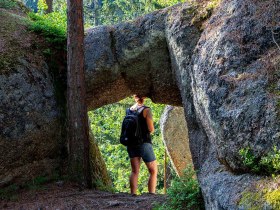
[
  {"x": 50, "y": 6},
  {"x": 96, "y": 12},
  {"x": 78, "y": 130}
]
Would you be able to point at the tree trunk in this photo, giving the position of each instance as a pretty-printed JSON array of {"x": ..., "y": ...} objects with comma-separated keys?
[
  {"x": 50, "y": 6},
  {"x": 78, "y": 130},
  {"x": 96, "y": 12}
]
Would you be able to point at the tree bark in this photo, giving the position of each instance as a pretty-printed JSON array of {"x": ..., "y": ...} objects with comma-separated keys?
[
  {"x": 96, "y": 12},
  {"x": 50, "y": 6},
  {"x": 78, "y": 129}
]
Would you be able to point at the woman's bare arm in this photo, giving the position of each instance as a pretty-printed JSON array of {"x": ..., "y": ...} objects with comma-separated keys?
[{"x": 149, "y": 119}]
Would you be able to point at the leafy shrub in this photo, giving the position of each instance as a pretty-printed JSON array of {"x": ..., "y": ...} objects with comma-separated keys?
[
  {"x": 267, "y": 164},
  {"x": 249, "y": 160},
  {"x": 184, "y": 192},
  {"x": 7, "y": 4},
  {"x": 272, "y": 161},
  {"x": 52, "y": 26}
]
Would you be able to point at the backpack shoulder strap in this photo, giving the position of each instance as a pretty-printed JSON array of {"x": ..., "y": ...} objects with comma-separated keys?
[
  {"x": 140, "y": 110},
  {"x": 127, "y": 112}
]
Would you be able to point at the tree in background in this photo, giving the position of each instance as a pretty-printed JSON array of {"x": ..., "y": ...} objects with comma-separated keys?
[
  {"x": 104, "y": 12},
  {"x": 78, "y": 131},
  {"x": 32, "y": 4},
  {"x": 50, "y": 6}
]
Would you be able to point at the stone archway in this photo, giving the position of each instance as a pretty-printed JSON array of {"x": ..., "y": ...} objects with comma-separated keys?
[
  {"x": 142, "y": 57},
  {"x": 223, "y": 88}
]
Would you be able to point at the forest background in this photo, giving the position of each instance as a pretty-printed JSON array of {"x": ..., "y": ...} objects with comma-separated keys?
[{"x": 106, "y": 121}]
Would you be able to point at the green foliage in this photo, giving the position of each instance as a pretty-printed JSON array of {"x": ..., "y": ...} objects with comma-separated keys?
[
  {"x": 267, "y": 164},
  {"x": 271, "y": 161},
  {"x": 273, "y": 198},
  {"x": 106, "y": 125},
  {"x": 52, "y": 26},
  {"x": 9, "y": 193},
  {"x": 249, "y": 160},
  {"x": 117, "y": 11},
  {"x": 166, "y": 3},
  {"x": 120, "y": 10},
  {"x": 7, "y": 4},
  {"x": 110, "y": 11},
  {"x": 42, "y": 6},
  {"x": 184, "y": 192}
]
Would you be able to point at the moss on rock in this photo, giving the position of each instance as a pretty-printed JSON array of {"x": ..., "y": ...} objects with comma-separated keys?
[
  {"x": 12, "y": 42},
  {"x": 264, "y": 195},
  {"x": 100, "y": 176}
]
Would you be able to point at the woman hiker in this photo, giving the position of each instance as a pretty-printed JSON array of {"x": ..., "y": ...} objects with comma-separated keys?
[{"x": 145, "y": 150}]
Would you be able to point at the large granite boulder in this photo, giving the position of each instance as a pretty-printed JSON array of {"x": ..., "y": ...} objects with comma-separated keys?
[
  {"x": 235, "y": 86},
  {"x": 228, "y": 79},
  {"x": 32, "y": 120},
  {"x": 175, "y": 137},
  {"x": 30, "y": 125}
]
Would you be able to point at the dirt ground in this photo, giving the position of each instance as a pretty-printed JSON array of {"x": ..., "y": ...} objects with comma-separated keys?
[{"x": 60, "y": 196}]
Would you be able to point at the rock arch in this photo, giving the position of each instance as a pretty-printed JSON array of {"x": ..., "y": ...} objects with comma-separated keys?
[
  {"x": 149, "y": 56},
  {"x": 220, "y": 77}
]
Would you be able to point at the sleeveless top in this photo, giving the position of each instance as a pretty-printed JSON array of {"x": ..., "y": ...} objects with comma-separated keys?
[{"x": 144, "y": 127}]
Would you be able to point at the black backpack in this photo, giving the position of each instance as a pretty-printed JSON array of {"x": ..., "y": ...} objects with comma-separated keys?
[{"x": 131, "y": 134}]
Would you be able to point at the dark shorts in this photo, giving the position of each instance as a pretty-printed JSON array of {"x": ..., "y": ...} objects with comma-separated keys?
[{"x": 145, "y": 151}]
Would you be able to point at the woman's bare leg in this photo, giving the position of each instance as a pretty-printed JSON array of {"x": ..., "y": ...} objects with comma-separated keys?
[
  {"x": 152, "y": 167},
  {"x": 133, "y": 180}
]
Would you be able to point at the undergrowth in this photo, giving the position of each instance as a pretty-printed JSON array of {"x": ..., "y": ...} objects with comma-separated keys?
[
  {"x": 268, "y": 164},
  {"x": 52, "y": 26},
  {"x": 184, "y": 193},
  {"x": 7, "y": 4}
]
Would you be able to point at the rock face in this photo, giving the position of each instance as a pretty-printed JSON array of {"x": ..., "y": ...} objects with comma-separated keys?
[
  {"x": 30, "y": 126},
  {"x": 175, "y": 137},
  {"x": 32, "y": 132},
  {"x": 228, "y": 79},
  {"x": 234, "y": 81},
  {"x": 132, "y": 58}
]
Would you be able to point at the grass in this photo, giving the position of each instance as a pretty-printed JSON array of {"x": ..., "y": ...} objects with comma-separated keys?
[{"x": 8, "y": 4}]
